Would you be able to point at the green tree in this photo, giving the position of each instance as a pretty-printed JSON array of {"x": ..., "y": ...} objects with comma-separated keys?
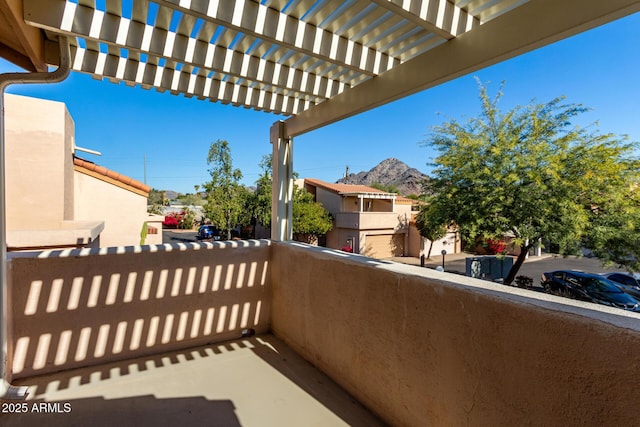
[
  {"x": 226, "y": 197},
  {"x": 190, "y": 200},
  {"x": 310, "y": 219},
  {"x": 387, "y": 188},
  {"x": 432, "y": 225},
  {"x": 156, "y": 197},
  {"x": 261, "y": 204},
  {"x": 530, "y": 174}
]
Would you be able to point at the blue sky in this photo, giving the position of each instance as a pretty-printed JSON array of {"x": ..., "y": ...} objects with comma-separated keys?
[{"x": 599, "y": 68}]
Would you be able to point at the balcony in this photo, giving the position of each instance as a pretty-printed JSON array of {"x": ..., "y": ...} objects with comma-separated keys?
[
  {"x": 154, "y": 335},
  {"x": 369, "y": 220}
]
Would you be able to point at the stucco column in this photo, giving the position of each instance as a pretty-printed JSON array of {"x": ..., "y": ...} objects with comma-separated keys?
[
  {"x": 7, "y": 391},
  {"x": 282, "y": 187}
]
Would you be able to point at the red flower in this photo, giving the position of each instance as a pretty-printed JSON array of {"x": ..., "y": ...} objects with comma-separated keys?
[{"x": 496, "y": 247}]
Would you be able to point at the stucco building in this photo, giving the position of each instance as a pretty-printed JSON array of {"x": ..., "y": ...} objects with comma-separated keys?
[
  {"x": 56, "y": 199},
  {"x": 373, "y": 222}
]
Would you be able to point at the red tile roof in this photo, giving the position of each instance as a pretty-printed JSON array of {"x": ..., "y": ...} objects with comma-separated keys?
[
  {"x": 115, "y": 176},
  {"x": 344, "y": 188},
  {"x": 404, "y": 200}
]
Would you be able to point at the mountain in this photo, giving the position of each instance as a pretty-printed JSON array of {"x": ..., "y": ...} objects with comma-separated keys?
[{"x": 391, "y": 171}]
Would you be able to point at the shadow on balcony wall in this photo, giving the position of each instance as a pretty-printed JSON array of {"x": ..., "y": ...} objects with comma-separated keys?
[
  {"x": 41, "y": 385},
  {"x": 419, "y": 347},
  {"x": 215, "y": 385},
  {"x": 84, "y": 307}
]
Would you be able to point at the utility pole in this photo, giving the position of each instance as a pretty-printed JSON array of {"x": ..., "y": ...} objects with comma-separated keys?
[{"x": 346, "y": 175}]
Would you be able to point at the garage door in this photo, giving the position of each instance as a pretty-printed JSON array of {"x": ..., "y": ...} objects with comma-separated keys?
[
  {"x": 384, "y": 245},
  {"x": 447, "y": 243}
]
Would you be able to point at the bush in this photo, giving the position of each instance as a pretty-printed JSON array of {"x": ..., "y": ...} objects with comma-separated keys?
[
  {"x": 494, "y": 247},
  {"x": 188, "y": 219},
  {"x": 170, "y": 221}
]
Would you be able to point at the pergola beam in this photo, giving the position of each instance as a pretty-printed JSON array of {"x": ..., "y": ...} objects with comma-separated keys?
[
  {"x": 278, "y": 28},
  {"x": 157, "y": 42},
  {"x": 443, "y": 18},
  {"x": 30, "y": 38},
  {"x": 525, "y": 28}
]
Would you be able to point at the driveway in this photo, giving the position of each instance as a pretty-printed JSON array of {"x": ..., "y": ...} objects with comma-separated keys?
[
  {"x": 533, "y": 267},
  {"x": 178, "y": 236}
]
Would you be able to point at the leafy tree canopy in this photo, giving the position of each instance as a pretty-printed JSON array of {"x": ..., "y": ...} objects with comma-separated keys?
[
  {"x": 156, "y": 197},
  {"x": 310, "y": 219},
  {"x": 261, "y": 205},
  {"x": 432, "y": 225},
  {"x": 190, "y": 200},
  {"x": 226, "y": 197},
  {"x": 529, "y": 173},
  {"x": 387, "y": 188}
]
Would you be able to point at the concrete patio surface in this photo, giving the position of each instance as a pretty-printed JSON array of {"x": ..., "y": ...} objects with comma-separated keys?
[{"x": 256, "y": 381}]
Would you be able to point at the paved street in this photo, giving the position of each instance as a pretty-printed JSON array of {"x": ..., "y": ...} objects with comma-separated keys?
[
  {"x": 455, "y": 263},
  {"x": 178, "y": 236},
  {"x": 532, "y": 267}
]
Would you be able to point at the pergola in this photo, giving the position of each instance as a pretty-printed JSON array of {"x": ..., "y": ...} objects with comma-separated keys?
[{"x": 316, "y": 61}]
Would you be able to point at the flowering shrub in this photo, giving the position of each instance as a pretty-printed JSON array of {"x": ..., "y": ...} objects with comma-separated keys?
[
  {"x": 170, "y": 221},
  {"x": 494, "y": 247},
  {"x": 184, "y": 219}
]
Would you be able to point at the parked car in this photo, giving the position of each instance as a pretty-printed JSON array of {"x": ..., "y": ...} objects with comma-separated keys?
[
  {"x": 206, "y": 232},
  {"x": 588, "y": 287},
  {"x": 627, "y": 282}
]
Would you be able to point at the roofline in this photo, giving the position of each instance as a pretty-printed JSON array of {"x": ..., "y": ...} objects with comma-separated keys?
[
  {"x": 374, "y": 193},
  {"x": 111, "y": 177}
]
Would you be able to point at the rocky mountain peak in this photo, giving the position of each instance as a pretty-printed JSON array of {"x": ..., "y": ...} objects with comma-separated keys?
[{"x": 390, "y": 171}]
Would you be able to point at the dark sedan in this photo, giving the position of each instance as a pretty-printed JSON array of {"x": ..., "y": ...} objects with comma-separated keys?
[
  {"x": 626, "y": 282},
  {"x": 588, "y": 287}
]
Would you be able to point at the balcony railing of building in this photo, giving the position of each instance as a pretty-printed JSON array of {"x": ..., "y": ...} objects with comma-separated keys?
[
  {"x": 371, "y": 220},
  {"x": 415, "y": 346}
]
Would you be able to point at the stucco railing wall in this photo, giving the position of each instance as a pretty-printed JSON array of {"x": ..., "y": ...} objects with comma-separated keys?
[
  {"x": 87, "y": 307},
  {"x": 369, "y": 220},
  {"x": 421, "y": 348}
]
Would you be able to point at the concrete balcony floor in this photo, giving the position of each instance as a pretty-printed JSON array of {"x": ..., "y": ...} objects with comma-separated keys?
[{"x": 255, "y": 381}]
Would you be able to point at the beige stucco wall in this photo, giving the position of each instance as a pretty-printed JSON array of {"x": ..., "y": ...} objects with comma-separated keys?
[
  {"x": 415, "y": 241},
  {"x": 329, "y": 200},
  {"x": 419, "y": 245},
  {"x": 39, "y": 140},
  {"x": 381, "y": 205},
  {"x": 424, "y": 348},
  {"x": 154, "y": 221},
  {"x": 45, "y": 193},
  {"x": 403, "y": 209},
  {"x": 337, "y": 238},
  {"x": 123, "y": 212},
  {"x": 86, "y": 307},
  {"x": 415, "y": 346}
]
